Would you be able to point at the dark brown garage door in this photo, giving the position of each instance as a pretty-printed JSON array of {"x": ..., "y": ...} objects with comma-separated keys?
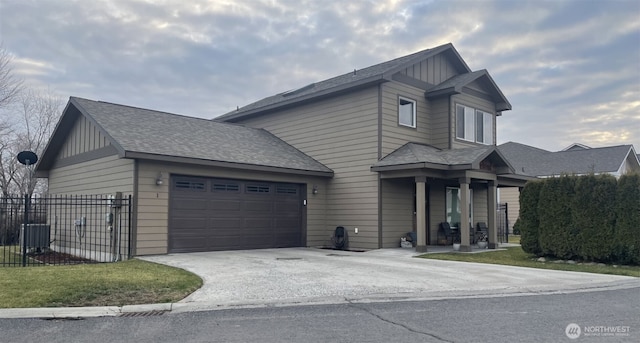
[{"x": 225, "y": 214}]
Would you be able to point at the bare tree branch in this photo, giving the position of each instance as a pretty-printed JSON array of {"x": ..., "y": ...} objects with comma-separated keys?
[
  {"x": 10, "y": 85},
  {"x": 40, "y": 110}
]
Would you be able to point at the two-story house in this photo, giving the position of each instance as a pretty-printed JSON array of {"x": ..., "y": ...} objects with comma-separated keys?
[{"x": 396, "y": 147}]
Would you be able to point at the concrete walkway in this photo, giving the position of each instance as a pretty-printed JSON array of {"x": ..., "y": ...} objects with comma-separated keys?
[{"x": 281, "y": 277}]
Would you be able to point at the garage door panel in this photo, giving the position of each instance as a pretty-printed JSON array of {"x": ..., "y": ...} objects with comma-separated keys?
[
  {"x": 224, "y": 205},
  {"x": 188, "y": 223},
  {"x": 223, "y": 223},
  {"x": 190, "y": 204},
  {"x": 287, "y": 224},
  {"x": 224, "y": 214},
  {"x": 257, "y": 206},
  {"x": 258, "y": 241},
  {"x": 188, "y": 244}
]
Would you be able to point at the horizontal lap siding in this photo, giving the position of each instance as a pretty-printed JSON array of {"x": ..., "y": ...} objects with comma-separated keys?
[
  {"x": 101, "y": 176},
  {"x": 397, "y": 210},
  {"x": 511, "y": 196},
  {"x": 480, "y": 206},
  {"x": 395, "y": 135},
  {"x": 439, "y": 130},
  {"x": 341, "y": 133},
  {"x": 153, "y": 201}
]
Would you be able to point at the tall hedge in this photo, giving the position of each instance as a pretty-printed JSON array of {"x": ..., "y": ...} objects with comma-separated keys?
[
  {"x": 528, "y": 222},
  {"x": 588, "y": 217},
  {"x": 557, "y": 233},
  {"x": 627, "y": 226},
  {"x": 593, "y": 216}
]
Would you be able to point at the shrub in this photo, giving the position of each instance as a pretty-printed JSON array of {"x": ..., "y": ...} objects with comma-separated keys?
[
  {"x": 627, "y": 227},
  {"x": 557, "y": 234},
  {"x": 593, "y": 215},
  {"x": 528, "y": 223}
]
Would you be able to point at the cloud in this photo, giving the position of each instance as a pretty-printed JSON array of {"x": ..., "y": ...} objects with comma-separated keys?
[{"x": 569, "y": 68}]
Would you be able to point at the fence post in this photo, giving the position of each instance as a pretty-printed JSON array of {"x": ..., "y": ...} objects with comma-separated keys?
[
  {"x": 129, "y": 219},
  {"x": 506, "y": 220},
  {"x": 24, "y": 230}
]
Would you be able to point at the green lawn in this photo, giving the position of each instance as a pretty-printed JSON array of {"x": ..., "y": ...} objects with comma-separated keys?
[
  {"x": 105, "y": 284},
  {"x": 514, "y": 239},
  {"x": 516, "y": 257}
]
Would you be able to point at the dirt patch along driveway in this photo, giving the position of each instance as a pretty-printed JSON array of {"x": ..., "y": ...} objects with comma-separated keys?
[{"x": 305, "y": 275}]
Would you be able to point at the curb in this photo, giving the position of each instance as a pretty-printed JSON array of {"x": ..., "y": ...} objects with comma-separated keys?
[
  {"x": 181, "y": 307},
  {"x": 81, "y": 312}
]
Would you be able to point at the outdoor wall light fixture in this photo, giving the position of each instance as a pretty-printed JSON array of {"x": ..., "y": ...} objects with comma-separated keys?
[
  {"x": 159, "y": 180},
  {"x": 315, "y": 189}
]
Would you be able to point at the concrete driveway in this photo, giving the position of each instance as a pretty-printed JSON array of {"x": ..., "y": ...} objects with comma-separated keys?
[{"x": 275, "y": 277}]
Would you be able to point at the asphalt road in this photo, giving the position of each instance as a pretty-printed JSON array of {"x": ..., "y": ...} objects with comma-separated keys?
[{"x": 538, "y": 318}]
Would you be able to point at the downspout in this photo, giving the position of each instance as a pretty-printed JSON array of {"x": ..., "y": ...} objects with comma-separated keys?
[
  {"x": 133, "y": 215},
  {"x": 452, "y": 130},
  {"x": 379, "y": 158}
]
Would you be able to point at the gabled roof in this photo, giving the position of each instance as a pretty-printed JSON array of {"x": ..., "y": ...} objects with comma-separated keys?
[
  {"x": 576, "y": 146},
  {"x": 148, "y": 134},
  {"x": 352, "y": 80},
  {"x": 455, "y": 85},
  {"x": 416, "y": 155},
  {"x": 581, "y": 159}
]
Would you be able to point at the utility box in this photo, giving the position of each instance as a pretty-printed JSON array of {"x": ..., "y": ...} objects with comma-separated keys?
[{"x": 36, "y": 236}]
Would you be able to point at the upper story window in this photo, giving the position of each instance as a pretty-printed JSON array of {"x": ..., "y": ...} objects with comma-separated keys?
[
  {"x": 474, "y": 125},
  {"x": 406, "y": 112}
]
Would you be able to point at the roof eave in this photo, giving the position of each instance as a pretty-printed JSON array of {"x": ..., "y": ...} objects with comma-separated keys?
[
  {"x": 505, "y": 105},
  {"x": 442, "y": 92},
  {"x": 224, "y": 164},
  {"x": 406, "y": 166}
]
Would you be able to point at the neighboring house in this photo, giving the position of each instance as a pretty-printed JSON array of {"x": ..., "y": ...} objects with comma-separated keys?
[
  {"x": 576, "y": 159},
  {"x": 396, "y": 147}
]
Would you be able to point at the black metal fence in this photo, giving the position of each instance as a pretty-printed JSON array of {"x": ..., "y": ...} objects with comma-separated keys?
[
  {"x": 503, "y": 223},
  {"x": 56, "y": 230}
]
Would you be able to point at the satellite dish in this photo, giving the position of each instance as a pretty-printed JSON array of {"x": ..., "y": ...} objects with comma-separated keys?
[{"x": 27, "y": 157}]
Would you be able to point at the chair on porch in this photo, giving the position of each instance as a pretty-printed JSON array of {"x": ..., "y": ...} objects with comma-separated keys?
[
  {"x": 481, "y": 227},
  {"x": 449, "y": 234}
]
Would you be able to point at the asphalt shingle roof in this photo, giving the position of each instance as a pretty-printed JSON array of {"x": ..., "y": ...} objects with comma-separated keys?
[
  {"x": 531, "y": 161},
  {"x": 160, "y": 133},
  {"x": 458, "y": 80},
  {"x": 342, "y": 80},
  {"x": 412, "y": 153}
]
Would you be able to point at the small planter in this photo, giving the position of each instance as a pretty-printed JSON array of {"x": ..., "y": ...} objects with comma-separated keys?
[
  {"x": 456, "y": 246},
  {"x": 482, "y": 245}
]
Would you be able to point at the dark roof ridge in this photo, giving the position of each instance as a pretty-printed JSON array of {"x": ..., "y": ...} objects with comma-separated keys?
[{"x": 159, "y": 111}]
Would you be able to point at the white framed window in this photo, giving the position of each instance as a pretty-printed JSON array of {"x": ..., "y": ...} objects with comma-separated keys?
[
  {"x": 474, "y": 125},
  {"x": 406, "y": 112}
]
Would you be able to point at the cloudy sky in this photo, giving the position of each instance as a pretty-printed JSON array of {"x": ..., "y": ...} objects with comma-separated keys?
[{"x": 571, "y": 69}]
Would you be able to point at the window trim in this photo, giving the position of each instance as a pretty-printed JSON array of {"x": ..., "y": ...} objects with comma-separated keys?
[
  {"x": 486, "y": 139},
  {"x": 414, "y": 108}
]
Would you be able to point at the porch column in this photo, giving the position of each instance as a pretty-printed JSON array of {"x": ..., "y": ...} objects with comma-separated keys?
[
  {"x": 491, "y": 207},
  {"x": 421, "y": 215},
  {"x": 464, "y": 214}
]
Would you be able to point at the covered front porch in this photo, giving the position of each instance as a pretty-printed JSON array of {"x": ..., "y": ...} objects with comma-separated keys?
[{"x": 444, "y": 186}]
